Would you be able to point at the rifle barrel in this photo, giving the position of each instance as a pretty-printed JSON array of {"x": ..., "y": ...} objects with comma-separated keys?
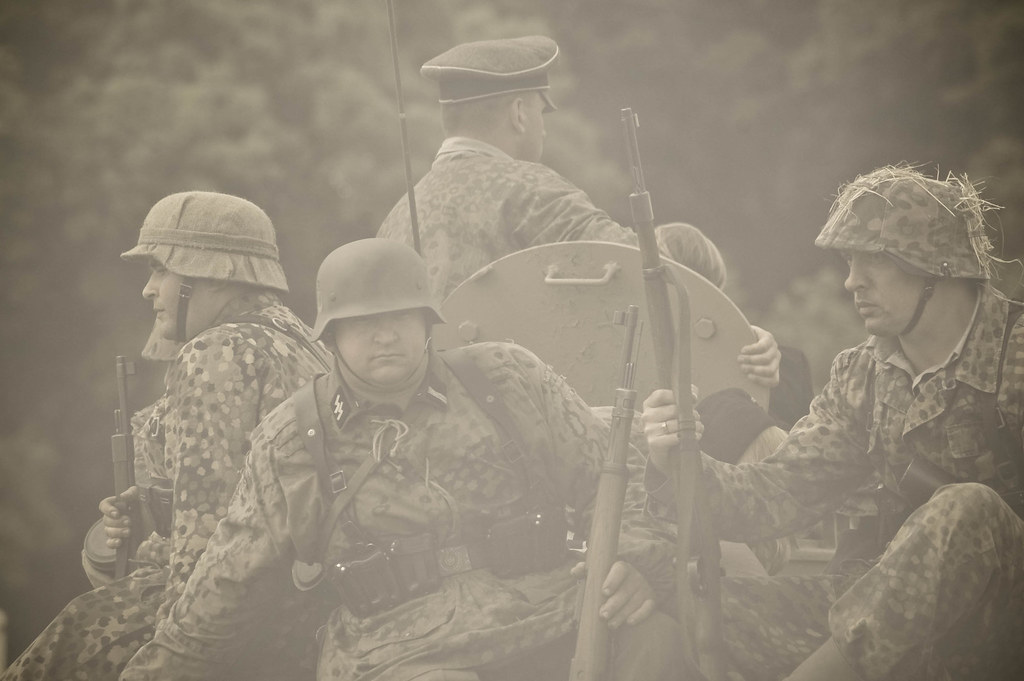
[
  {"x": 672, "y": 356},
  {"x": 590, "y": 661}
]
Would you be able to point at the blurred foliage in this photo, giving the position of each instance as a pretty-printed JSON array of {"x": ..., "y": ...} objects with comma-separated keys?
[{"x": 752, "y": 113}]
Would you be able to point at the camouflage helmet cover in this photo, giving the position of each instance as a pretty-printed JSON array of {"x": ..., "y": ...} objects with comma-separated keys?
[
  {"x": 211, "y": 236},
  {"x": 371, "y": 276},
  {"x": 935, "y": 226}
]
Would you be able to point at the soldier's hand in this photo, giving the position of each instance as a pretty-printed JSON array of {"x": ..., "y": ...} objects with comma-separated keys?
[
  {"x": 760, "y": 360},
  {"x": 661, "y": 427},
  {"x": 116, "y": 521},
  {"x": 630, "y": 598}
]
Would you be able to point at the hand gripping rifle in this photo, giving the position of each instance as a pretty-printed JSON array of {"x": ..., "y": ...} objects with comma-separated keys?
[
  {"x": 123, "y": 454},
  {"x": 697, "y": 592},
  {"x": 590, "y": 661}
]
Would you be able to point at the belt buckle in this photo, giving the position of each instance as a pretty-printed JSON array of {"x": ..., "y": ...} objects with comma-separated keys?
[{"x": 451, "y": 560}]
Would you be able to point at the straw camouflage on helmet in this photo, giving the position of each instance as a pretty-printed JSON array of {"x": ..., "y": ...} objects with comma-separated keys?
[
  {"x": 371, "y": 276},
  {"x": 211, "y": 236},
  {"x": 935, "y": 226}
]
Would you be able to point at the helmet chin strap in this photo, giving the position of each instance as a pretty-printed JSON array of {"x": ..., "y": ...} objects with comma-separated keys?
[
  {"x": 184, "y": 296},
  {"x": 922, "y": 300}
]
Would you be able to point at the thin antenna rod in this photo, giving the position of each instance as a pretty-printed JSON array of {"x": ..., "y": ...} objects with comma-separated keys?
[{"x": 405, "y": 136}]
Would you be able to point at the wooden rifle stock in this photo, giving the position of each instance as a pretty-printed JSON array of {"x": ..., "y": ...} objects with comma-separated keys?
[
  {"x": 590, "y": 661},
  {"x": 123, "y": 455},
  {"x": 698, "y": 593}
]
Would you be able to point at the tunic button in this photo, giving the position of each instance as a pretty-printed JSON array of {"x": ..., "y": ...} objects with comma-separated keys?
[{"x": 311, "y": 432}]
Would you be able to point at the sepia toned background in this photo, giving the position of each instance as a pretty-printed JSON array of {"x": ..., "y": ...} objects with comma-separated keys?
[{"x": 752, "y": 113}]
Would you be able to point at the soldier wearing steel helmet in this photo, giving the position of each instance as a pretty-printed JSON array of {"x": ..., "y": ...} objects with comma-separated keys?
[
  {"x": 933, "y": 404},
  {"x": 214, "y": 284},
  {"x": 437, "y": 523}
]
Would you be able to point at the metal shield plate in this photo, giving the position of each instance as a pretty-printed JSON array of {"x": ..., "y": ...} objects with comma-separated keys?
[{"x": 559, "y": 301}]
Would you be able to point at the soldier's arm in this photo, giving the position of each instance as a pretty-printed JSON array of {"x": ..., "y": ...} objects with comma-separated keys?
[
  {"x": 822, "y": 459},
  {"x": 550, "y": 209},
  {"x": 215, "y": 394},
  {"x": 237, "y": 585}
]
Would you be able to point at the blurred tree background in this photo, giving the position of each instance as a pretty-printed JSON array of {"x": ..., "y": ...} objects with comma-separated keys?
[{"x": 752, "y": 113}]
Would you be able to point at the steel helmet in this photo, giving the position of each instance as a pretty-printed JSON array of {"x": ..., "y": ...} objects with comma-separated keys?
[
  {"x": 935, "y": 227},
  {"x": 371, "y": 276},
  {"x": 211, "y": 236}
]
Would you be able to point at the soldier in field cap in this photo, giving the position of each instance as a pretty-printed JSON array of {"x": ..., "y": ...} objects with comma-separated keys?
[
  {"x": 488, "y": 68},
  {"x": 487, "y": 194}
]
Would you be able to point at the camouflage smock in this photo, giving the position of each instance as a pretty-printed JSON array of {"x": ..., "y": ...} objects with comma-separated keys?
[
  {"x": 959, "y": 558},
  {"x": 445, "y": 469},
  {"x": 196, "y": 435},
  {"x": 478, "y": 204}
]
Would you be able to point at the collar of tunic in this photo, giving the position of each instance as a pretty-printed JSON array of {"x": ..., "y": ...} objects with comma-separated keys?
[
  {"x": 899, "y": 359},
  {"x": 974, "y": 358},
  {"x": 248, "y": 302},
  {"x": 936, "y": 392},
  {"x": 432, "y": 392},
  {"x": 461, "y": 146}
]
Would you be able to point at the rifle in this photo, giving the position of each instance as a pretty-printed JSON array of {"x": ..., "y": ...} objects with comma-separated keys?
[
  {"x": 590, "y": 661},
  {"x": 700, "y": 592},
  {"x": 123, "y": 455}
]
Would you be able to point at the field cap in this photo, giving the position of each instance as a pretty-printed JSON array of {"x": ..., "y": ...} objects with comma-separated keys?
[{"x": 486, "y": 68}]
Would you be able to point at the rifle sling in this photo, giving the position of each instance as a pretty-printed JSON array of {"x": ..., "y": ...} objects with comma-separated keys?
[
  {"x": 341, "y": 491},
  {"x": 483, "y": 392}
]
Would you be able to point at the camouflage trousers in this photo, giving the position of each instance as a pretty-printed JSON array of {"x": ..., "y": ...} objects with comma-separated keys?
[
  {"x": 96, "y": 634},
  {"x": 945, "y": 601}
]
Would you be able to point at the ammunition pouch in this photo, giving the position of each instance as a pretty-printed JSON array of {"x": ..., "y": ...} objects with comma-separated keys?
[
  {"x": 409, "y": 567},
  {"x": 532, "y": 542}
]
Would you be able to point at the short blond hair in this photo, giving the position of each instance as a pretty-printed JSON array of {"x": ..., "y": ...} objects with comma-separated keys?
[{"x": 688, "y": 246}]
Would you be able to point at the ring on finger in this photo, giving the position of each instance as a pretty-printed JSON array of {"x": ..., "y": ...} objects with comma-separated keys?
[{"x": 664, "y": 427}]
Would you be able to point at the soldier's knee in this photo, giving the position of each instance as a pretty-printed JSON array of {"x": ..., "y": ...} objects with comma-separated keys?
[{"x": 970, "y": 501}]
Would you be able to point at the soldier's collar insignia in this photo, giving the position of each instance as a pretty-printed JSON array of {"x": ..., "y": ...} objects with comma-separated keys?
[
  {"x": 434, "y": 390},
  {"x": 339, "y": 407},
  {"x": 436, "y": 395}
]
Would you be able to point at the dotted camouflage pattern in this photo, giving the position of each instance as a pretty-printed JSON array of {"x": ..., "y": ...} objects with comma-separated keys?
[
  {"x": 952, "y": 576},
  {"x": 477, "y": 204},
  {"x": 924, "y": 597},
  {"x": 935, "y": 226},
  {"x": 443, "y": 473},
  {"x": 196, "y": 435}
]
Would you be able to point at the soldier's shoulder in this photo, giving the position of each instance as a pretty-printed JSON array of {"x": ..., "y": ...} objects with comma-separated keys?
[
  {"x": 858, "y": 358},
  {"x": 278, "y": 429},
  {"x": 270, "y": 330},
  {"x": 271, "y": 319},
  {"x": 497, "y": 355},
  {"x": 505, "y": 363}
]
